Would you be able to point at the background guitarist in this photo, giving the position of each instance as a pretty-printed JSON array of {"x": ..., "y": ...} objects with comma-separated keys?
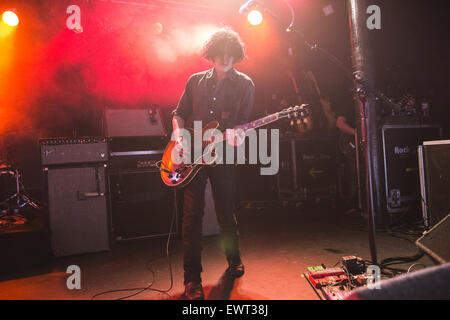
[
  {"x": 225, "y": 95},
  {"x": 343, "y": 106}
]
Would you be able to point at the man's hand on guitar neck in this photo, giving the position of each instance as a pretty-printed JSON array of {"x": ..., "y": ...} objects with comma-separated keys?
[
  {"x": 235, "y": 137},
  {"x": 181, "y": 146},
  {"x": 177, "y": 125}
]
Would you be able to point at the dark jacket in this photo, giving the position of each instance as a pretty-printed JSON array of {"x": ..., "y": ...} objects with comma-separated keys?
[{"x": 230, "y": 101}]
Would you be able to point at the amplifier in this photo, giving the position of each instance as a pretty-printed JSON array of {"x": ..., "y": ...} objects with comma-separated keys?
[
  {"x": 134, "y": 122},
  {"x": 308, "y": 169},
  {"x": 401, "y": 168},
  {"x": 135, "y": 153},
  {"x": 78, "y": 209},
  {"x": 144, "y": 160},
  {"x": 70, "y": 150},
  {"x": 141, "y": 204}
]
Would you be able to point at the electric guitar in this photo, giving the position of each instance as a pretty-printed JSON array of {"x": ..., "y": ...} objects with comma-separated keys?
[{"x": 179, "y": 174}]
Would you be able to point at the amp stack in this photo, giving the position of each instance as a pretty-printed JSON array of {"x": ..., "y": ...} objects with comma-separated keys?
[
  {"x": 101, "y": 190},
  {"x": 141, "y": 204},
  {"x": 75, "y": 175}
]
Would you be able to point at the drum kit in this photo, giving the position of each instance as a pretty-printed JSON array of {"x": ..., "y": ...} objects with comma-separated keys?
[{"x": 13, "y": 196}]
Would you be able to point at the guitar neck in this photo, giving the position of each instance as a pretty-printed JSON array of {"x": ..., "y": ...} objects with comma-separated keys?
[
  {"x": 253, "y": 125},
  {"x": 259, "y": 123}
]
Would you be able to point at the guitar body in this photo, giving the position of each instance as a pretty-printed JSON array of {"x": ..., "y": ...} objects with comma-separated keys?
[{"x": 179, "y": 175}]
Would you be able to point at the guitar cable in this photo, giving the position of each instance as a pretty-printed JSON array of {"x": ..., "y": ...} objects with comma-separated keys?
[{"x": 149, "y": 286}]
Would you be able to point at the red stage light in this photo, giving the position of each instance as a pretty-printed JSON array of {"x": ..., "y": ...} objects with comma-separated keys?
[
  {"x": 255, "y": 17},
  {"x": 10, "y": 18}
]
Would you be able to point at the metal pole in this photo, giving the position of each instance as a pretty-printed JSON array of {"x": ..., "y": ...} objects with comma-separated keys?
[{"x": 362, "y": 60}]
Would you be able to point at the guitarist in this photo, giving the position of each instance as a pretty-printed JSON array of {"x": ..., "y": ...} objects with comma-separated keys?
[
  {"x": 343, "y": 106},
  {"x": 225, "y": 95}
]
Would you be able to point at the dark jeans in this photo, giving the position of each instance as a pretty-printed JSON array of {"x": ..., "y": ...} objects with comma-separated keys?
[{"x": 222, "y": 178}]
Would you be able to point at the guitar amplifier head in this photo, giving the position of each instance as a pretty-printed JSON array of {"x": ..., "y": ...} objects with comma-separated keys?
[
  {"x": 133, "y": 122},
  {"x": 135, "y": 161},
  {"x": 60, "y": 151}
]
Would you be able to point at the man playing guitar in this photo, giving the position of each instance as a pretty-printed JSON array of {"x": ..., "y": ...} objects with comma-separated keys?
[
  {"x": 225, "y": 95},
  {"x": 343, "y": 106}
]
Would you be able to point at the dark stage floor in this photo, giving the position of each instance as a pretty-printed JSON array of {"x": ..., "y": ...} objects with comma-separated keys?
[{"x": 277, "y": 244}]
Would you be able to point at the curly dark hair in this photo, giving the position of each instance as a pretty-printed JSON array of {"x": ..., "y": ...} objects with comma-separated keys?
[{"x": 224, "y": 41}]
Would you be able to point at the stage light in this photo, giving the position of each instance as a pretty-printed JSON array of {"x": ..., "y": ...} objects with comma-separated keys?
[
  {"x": 157, "y": 28},
  {"x": 10, "y": 18},
  {"x": 255, "y": 17}
]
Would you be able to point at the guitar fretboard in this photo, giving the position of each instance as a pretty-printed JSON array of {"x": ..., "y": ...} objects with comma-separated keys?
[
  {"x": 252, "y": 125},
  {"x": 260, "y": 122}
]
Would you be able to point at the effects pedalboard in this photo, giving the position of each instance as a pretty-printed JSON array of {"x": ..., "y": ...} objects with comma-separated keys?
[{"x": 335, "y": 283}]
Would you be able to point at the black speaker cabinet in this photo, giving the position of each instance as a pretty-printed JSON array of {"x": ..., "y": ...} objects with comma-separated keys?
[
  {"x": 141, "y": 204},
  {"x": 434, "y": 160},
  {"x": 401, "y": 169},
  {"x": 436, "y": 241},
  {"x": 78, "y": 212},
  {"x": 307, "y": 169}
]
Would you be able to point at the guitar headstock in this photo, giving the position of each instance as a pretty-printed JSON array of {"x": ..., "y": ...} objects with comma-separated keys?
[{"x": 301, "y": 111}]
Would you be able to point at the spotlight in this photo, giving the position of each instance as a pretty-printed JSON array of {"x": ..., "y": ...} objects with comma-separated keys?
[
  {"x": 10, "y": 18},
  {"x": 255, "y": 17},
  {"x": 157, "y": 28}
]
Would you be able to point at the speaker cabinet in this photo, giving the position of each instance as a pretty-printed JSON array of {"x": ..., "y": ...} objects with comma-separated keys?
[
  {"x": 428, "y": 284},
  {"x": 436, "y": 241},
  {"x": 434, "y": 159},
  {"x": 141, "y": 204},
  {"x": 133, "y": 122},
  {"x": 78, "y": 209},
  {"x": 401, "y": 169},
  {"x": 307, "y": 169}
]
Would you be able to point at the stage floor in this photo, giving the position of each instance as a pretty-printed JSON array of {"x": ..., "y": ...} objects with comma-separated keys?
[{"x": 277, "y": 245}]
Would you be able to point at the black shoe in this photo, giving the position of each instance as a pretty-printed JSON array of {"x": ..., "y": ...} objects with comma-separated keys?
[
  {"x": 235, "y": 271},
  {"x": 193, "y": 291}
]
